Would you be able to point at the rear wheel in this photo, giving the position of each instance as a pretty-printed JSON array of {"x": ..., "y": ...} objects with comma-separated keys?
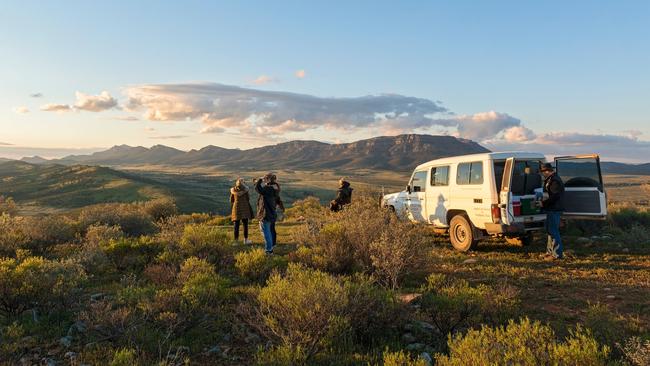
[
  {"x": 461, "y": 234},
  {"x": 523, "y": 240}
]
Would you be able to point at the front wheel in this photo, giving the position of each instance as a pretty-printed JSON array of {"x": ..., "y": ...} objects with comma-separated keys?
[{"x": 461, "y": 234}]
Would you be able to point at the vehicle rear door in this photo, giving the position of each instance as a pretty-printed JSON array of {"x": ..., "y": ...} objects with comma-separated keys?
[
  {"x": 415, "y": 200},
  {"x": 584, "y": 192},
  {"x": 505, "y": 194}
]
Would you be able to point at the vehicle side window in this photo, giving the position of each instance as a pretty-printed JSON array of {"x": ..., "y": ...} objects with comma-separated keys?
[
  {"x": 470, "y": 173},
  {"x": 440, "y": 176},
  {"x": 419, "y": 181}
]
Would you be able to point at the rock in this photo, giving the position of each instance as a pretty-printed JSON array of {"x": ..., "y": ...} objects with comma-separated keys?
[
  {"x": 607, "y": 289},
  {"x": 77, "y": 327},
  {"x": 607, "y": 237},
  {"x": 252, "y": 338},
  {"x": 625, "y": 250},
  {"x": 408, "y": 326},
  {"x": 96, "y": 297},
  {"x": 48, "y": 362},
  {"x": 596, "y": 238},
  {"x": 66, "y": 341},
  {"x": 216, "y": 350},
  {"x": 427, "y": 358},
  {"x": 408, "y": 338},
  {"x": 426, "y": 326},
  {"x": 226, "y": 337},
  {"x": 583, "y": 240},
  {"x": 470, "y": 261},
  {"x": 71, "y": 355},
  {"x": 611, "y": 297},
  {"x": 415, "y": 347}
]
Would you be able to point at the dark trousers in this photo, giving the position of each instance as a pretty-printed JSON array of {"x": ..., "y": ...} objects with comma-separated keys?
[
  {"x": 237, "y": 222},
  {"x": 274, "y": 234}
]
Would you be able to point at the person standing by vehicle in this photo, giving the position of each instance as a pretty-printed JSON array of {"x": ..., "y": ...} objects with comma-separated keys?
[
  {"x": 279, "y": 207},
  {"x": 266, "y": 204},
  {"x": 554, "y": 187},
  {"x": 241, "y": 210},
  {"x": 343, "y": 196}
]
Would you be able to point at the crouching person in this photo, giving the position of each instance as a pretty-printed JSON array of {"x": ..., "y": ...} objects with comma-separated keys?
[
  {"x": 343, "y": 196},
  {"x": 266, "y": 204}
]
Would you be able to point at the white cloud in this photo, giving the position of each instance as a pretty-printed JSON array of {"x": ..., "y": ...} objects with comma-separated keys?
[
  {"x": 258, "y": 112},
  {"x": 149, "y": 129},
  {"x": 171, "y": 137},
  {"x": 95, "y": 103},
  {"x": 264, "y": 79},
  {"x": 518, "y": 134},
  {"x": 300, "y": 74},
  {"x": 36, "y": 95},
  {"x": 53, "y": 107},
  {"x": 126, "y": 118},
  {"x": 480, "y": 126},
  {"x": 5, "y": 143},
  {"x": 21, "y": 110}
]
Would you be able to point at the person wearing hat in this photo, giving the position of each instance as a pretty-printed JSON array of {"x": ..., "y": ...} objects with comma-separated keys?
[
  {"x": 552, "y": 205},
  {"x": 343, "y": 196},
  {"x": 266, "y": 204}
]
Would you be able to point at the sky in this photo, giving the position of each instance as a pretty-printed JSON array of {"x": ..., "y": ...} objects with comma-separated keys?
[{"x": 559, "y": 77}]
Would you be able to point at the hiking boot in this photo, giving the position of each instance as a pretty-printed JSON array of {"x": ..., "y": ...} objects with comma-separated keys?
[{"x": 248, "y": 242}]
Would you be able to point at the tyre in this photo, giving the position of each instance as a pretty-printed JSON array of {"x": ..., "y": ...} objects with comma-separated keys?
[
  {"x": 523, "y": 240},
  {"x": 461, "y": 234}
]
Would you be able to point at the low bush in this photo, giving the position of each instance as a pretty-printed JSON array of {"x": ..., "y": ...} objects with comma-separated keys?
[
  {"x": 132, "y": 253},
  {"x": 43, "y": 231},
  {"x": 98, "y": 234},
  {"x": 160, "y": 208},
  {"x": 11, "y": 235},
  {"x": 304, "y": 208},
  {"x": 256, "y": 265},
  {"x": 130, "y": 217},
  {"x": 124, "y": 357},
  {"x": 204, "y": 241},
  {"x": 401, "y": 358},
  {"x": 36, "y": 282},
  {"x": 7, "y": 206},
  {"x": 454, "y": 305},
  {"x": 636, "y": 351},
  {"x": 625, "y": 217},
  {"x": 201, "y": 286},
  {"x": 523, "y": 343},
  {"x": 606, "y": 327},
  {"x": 303, "y": 309}
]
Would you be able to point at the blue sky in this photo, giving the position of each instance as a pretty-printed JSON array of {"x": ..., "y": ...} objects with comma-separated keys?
[{"x": 555, "y": 76}]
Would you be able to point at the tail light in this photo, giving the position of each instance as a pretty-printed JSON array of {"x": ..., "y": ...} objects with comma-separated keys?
[
  {"x": 516, "y": 208},
  {"x": 496, "y": 213}
]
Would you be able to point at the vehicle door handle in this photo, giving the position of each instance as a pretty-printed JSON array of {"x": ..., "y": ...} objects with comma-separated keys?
[{"x": 421, "y": 199}]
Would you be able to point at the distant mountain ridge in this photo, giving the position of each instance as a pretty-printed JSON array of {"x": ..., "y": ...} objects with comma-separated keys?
[{"x": 401, "y": 153}]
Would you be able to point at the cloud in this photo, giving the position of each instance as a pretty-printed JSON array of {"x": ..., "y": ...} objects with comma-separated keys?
[
  {"x": 149, "y": 129},
  {"x": 264, "y": 79},
  {"x": 5, "y": 144},
  {"x": 36, "y": 95},
  {"x": 95, "y": 103},
  {"x": 171, "y": 137},
  {"x": 258, "y": 112},
  {"x": 518, "y": 134},
  {"x": 53, "y": 107},
  {"x": 126, "y": 118},
  {"x": 480, "y": 126},
  {"x": 300, "y": 74},
  {"x": 21, "y": 110}
]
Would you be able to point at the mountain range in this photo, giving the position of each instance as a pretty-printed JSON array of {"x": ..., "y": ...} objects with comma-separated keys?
[{"x": 397, "y": 153}]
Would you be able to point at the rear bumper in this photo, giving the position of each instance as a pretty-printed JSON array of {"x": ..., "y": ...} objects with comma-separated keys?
[{"x": 513, "y": 229}]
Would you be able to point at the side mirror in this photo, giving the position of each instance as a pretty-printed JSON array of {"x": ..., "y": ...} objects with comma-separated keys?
[{"x": 408, "y": 189}]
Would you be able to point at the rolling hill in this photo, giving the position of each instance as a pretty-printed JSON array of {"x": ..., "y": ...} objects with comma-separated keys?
[{"x": 399, "y": 153}]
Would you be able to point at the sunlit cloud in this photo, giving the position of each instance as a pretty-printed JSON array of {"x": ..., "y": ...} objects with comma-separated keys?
[
  {"x": 5, "y": 143},
  {"x": 264, "y": 79},
  {"x": 126, "y": 118},
  {"x": 95, "y": 103},
  {"x": 21, "y": 110},
  {"x": 53, "y": 107},
  {"x": 300, "y": 74},
  {"x": 170, "y": 137}
]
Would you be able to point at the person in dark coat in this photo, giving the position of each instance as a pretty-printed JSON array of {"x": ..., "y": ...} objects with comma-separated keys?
[
  {"x": 552, "y": 205},
  {"x": 279, "y": 206},
  {"x": 241, "y": 210},
  {"x": 343, "y": 196},
  {"x": 266, "y": 204}
]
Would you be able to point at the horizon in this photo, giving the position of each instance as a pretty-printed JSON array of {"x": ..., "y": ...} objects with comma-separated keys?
[{"x": 506, "y": 75}]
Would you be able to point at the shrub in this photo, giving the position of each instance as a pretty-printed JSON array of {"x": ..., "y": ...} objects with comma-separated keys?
[
  {"x": 302, "y": 309},
  {"x": 98, "y": 234},
  {"x": 636, "y": 351},
  {"x": 400, "y": 358},
  {"x": 160, "y": 274},
  {"x": 307, "y": 207},
  {"x": 522, "y": 343},
  {"x": 11, "y": 235},
  {"x": 124, "y": 357},
  {"x": 255, "y": 264},
  {"x": 626, "y": 217},
  {"x": 132, "y": 253},
  {"x": 201, "y": 286},
  {"x": 203, "y": 241},
  {"x": 453, "y": 305},
  {"x": 37, "y": 282},
  {"x": 605, "y": 325},
  {"x": 130, "y": 217},
  {"x": 48, "y": 230},
  {"x": 160, "y": 208},
  {"x": 7, "y": 206}
]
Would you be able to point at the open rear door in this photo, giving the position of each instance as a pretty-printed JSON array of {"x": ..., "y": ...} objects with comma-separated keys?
[
  {"x": 584, "y": 195},
  {"x": 505, "y": 195}
]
